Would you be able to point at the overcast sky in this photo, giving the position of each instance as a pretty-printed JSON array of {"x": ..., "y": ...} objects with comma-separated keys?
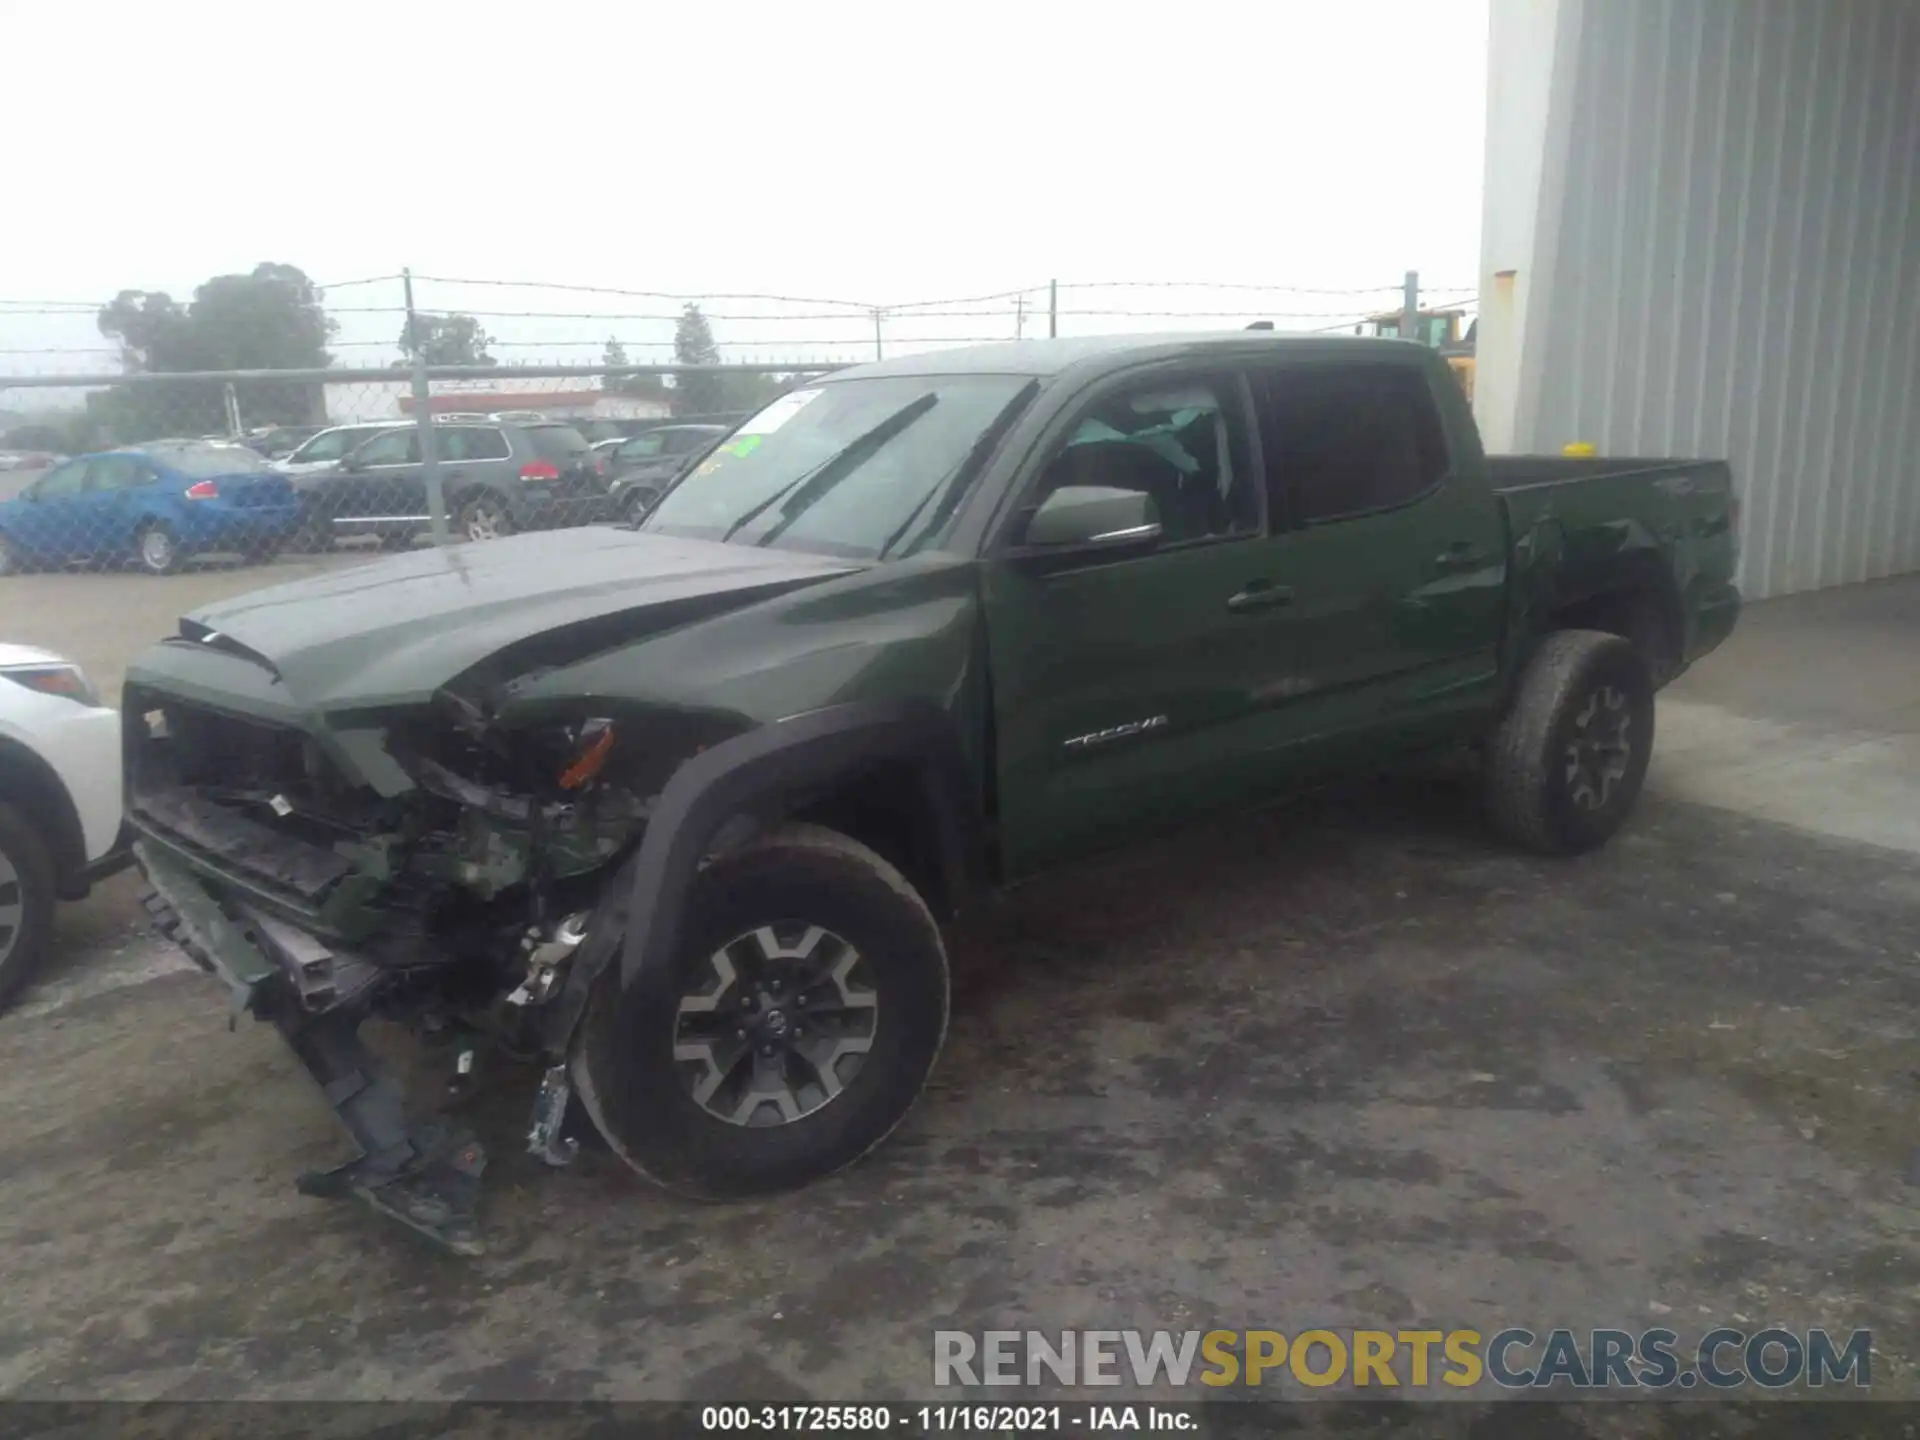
[{"x": 881, "y": 153}]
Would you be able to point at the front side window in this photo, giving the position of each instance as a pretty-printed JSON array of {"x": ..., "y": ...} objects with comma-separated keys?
[
  {"x": 858, "y": 468},
  {"x": 1347, "y": 442},
  {"x": 642, "y": 447},
  {"x": 1182, "y": 442},
  {"x": 117, "y": 472},
  {"x": 326, "y": 446}
]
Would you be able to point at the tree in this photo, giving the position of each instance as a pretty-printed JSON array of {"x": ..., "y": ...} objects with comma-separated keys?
[
  {"x": 267, "y": 319},
  {"x": 650, "y": 387},
  {"x": 693, "y": 345},
  {"x": 447, "y": 340}
]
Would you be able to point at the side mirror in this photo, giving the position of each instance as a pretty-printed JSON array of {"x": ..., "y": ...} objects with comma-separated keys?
[
  {"x": 349, "y": 464},
  {"x": 1080, "y": 515}
]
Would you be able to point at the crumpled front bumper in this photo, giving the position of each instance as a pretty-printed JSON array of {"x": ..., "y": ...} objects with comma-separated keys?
[{"x": 424, "y": 1173}]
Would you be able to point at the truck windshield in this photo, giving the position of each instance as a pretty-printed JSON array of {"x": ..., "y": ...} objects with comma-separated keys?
[{"x": 840, "y": 468}]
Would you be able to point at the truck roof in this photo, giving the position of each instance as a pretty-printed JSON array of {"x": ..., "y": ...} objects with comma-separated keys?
[{"x": 1052, "y": 357}]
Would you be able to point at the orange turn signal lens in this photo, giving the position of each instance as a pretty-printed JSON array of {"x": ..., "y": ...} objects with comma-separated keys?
[{"x": 596, "y": 744}]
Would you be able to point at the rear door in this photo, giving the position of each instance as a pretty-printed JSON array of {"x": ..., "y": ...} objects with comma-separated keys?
[
  {"x": 1120, "y": 680},
  {"x": 1397, "y": 564}
]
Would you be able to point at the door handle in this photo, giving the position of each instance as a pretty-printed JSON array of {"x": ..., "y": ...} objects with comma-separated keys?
[
  {"x": 1461, "y": 555},
  {"x": 1259, "y": 595}
]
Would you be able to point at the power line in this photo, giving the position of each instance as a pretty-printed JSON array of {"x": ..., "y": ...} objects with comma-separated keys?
[
  {"x": 963, "y": 299},
  {"x": 349, "y": 284},
  {"x": 641, "y": 294}
]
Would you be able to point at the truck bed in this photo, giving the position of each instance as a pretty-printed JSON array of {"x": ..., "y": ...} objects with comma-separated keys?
[{"x": 1579, "y": 527}]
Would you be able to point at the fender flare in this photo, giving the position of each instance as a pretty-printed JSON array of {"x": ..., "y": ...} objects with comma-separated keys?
[{"x": 761, "y": 775}]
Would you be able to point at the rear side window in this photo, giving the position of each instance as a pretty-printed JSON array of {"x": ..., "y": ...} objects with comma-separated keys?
[
  {"x": 1346, "y": 442},
  {"x": 117, "y": 472},
  {"x": 465, "y": 444},
  {"x": 559, "y": 440}
]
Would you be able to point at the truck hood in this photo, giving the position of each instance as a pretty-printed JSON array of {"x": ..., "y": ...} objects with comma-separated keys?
[{"x": 394, "y": 631}]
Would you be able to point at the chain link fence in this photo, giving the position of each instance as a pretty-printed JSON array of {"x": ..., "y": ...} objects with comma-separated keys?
[
  {"x": 268, "y": 416},
  {"x": 250, "y": 465}
]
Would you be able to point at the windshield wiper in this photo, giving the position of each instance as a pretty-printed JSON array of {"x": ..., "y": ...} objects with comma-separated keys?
[
  {"x": 951, "y": 488},
  {"x": 808, "y": 488}
]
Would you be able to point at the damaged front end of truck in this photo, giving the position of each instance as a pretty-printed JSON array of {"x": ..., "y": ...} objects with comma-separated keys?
[{"x": 438, "y": 864}]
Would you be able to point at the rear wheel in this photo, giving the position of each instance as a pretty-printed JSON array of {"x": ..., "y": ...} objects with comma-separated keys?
[
  {"x": 12, "y": 562},
  {"x": 158, "y": 550},
  {"x": 1566, "y": 763},
  {"x": 791, "y": 1034},
  {"x": 484, "y": 517},
  {"x": 27, "y": 893}
]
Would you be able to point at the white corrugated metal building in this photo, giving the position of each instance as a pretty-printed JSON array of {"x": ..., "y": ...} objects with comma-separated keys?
[{"x": 1702, "y": 237}]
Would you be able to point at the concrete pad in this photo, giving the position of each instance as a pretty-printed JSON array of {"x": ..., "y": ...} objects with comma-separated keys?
[{"x": 1809, "y": 715}]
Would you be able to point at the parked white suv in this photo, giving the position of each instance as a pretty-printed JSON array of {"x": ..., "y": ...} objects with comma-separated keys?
[{"x": 60, "y": 817}]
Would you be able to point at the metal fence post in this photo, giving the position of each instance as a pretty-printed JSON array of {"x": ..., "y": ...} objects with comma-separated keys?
[
  {"x": 1410, "y": 308},
  {"x": 878, "y": 315},
  {"x": 423, "y": 419},
  {"x": 1053, "y": 309}
]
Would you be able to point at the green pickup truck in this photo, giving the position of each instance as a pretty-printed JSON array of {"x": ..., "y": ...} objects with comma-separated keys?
[{"x": 682, "y": 812}]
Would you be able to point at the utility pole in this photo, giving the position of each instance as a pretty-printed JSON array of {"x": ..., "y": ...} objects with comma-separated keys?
[
  {"x": 423, "y": 420},
  {"x": 1019, "y": 317},
  {"x": 1053, "y": 309},
  {"x": 1410, "y": 308},
  {"x": 877, "y": 313}
]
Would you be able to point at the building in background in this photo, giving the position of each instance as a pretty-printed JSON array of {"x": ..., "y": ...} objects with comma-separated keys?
[
  {"x": 1701, "y": 237},
  {"x": 557, "y": 399}
]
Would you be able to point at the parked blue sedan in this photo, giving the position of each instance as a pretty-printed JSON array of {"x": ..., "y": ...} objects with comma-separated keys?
[{"x": 155, "y": 504}]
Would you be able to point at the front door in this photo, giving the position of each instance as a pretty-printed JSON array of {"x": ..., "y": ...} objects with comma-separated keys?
[
  {"x": 52, "y": 522},
  {"x": 384, "y": 484},
  {"x": 1120, "y": 680}
]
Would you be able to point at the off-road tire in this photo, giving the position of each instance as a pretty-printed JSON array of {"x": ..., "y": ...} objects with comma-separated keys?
[
  {"x": 35, "y": 878},
  {"x": 624, "y": 1070},
  {"x": 1529, "y": 795}
]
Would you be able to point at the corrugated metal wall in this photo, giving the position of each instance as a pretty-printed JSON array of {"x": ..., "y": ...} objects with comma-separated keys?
[{"x": 1736, "y": 269}]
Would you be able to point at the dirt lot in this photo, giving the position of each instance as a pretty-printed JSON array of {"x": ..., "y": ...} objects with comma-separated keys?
[{"x": 1345, "y": 1065}]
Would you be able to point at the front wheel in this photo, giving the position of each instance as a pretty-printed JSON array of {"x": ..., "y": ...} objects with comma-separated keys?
[
  {"x": 1566, "y": 763},
  {"x": 27, "y": 893},
  {"x": 790, "y": 1035},
  {"x": 12, "y": 562}
]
